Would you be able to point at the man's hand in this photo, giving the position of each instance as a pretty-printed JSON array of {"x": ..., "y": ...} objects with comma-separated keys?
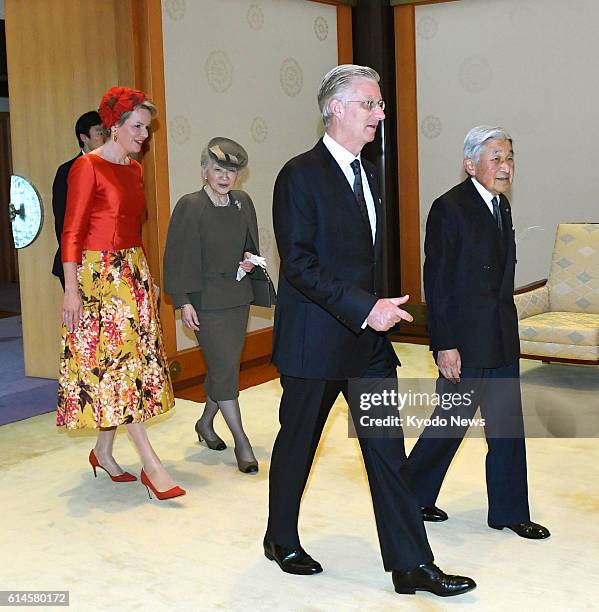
[
  {"x": 386, "y": 313},
  {"x": 450, "y": 364},
  {"x": 189, "y": 316}
]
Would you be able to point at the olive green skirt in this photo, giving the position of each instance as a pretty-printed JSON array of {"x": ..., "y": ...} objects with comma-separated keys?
[{"x": 221, "y": 338}]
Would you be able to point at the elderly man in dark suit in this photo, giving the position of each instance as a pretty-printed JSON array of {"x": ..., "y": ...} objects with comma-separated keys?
[
  {"x": 329, "y": 327},
  {"x": 90, "y": 135},
  {"x": 470, "y": 258}
]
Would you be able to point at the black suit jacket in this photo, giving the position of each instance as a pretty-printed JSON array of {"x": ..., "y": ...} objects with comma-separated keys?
[
  {"x": 469, "y": 279},
  {"x": 327, "y": 280},
  {"x": 59, "y": 206}
]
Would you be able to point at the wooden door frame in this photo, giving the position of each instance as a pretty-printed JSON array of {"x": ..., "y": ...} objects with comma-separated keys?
[
  {"x": 407, "y": 139},
  {"x": 9, "y": 263},
  {"x": 148, "y": 70},
  {"x": 408, "y": 167}
]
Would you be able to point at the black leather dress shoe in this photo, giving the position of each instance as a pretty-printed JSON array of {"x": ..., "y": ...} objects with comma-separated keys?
[
  {"x": 428, "y": 577},
  {"x": 528, "y": 530},
  {"x": 433, "y": 514},
  {"x": 291, "y": 560}
]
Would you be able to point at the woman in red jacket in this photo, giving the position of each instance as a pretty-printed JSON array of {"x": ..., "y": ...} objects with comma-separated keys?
[{"x": 113, "y": 369}]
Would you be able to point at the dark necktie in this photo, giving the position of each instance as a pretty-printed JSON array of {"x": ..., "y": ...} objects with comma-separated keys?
[
  {"x": 359, "y": 190},
  {"x": 496, "y": 213}
]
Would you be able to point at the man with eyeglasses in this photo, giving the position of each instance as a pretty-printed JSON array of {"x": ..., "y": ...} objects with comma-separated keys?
[
  {"x": 90, "y": 135},
  {"x": 330, "y": 326}
]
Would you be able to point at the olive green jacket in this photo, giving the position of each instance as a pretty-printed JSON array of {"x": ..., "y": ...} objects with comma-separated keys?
[{"x": 183, "y": 253}]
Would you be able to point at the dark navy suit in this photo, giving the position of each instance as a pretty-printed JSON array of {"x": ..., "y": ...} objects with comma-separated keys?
[
  {"x": 327, "y": 287},
  {"x": 469, "y": 283},
  {"x": 59, "y": 207}
]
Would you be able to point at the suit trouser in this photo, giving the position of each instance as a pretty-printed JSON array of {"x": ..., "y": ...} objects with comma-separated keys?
[
  {"x": 498, "y": 393},
  {"x": 304, "y": 408}
]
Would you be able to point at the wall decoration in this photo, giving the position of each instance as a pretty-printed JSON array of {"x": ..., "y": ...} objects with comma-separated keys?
[
  {"x": 219, "y": 71},
  {"x": 179, "y": 129},
  {"x": 427, "y": 27},
  {"x": 175, "y": 9},
  {"x": 431, "y": 127},
  {"x": 255, "y": 17},
  {"x": 259, "y": 130},
  {"x": 321, "y": 28},
  {"x": 291, "y": 77}
]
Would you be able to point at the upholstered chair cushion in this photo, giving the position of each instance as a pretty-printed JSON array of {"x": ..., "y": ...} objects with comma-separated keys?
[
  {"x": 561, "y": 327},
  {"x": 573, "y": 282},
  {"x": 561, "y": 351}
]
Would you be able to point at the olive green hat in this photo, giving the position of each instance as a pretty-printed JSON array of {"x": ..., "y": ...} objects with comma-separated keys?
[{"x": 227, "y": 153}]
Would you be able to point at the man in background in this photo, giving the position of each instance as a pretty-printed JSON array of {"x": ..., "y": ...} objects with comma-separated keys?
[{"x": 90, "y": 135}]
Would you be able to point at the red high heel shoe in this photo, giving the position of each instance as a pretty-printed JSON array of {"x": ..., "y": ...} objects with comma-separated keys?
[
  {"x": 172, "y": 492},
  {"x": 124, "y": 477}
]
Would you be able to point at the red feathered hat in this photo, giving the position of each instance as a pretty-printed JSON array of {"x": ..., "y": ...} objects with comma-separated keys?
[{"x": 119, "y": 100}]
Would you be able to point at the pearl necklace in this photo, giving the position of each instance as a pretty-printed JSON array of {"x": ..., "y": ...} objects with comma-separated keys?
[{"x": 214, "y": 197}]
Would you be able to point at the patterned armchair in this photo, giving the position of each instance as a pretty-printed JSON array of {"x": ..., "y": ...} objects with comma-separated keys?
[{"x": 559, "y": 316}]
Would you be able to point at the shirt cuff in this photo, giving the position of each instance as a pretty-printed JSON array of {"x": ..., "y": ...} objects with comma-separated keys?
[{"x": 180, "y": 299}]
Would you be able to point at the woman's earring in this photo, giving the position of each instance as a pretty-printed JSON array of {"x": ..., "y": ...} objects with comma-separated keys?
[{"x": 114, "y": 136}]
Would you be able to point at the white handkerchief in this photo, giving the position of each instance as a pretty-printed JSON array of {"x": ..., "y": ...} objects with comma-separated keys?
[{"x": 256, "y": 260}]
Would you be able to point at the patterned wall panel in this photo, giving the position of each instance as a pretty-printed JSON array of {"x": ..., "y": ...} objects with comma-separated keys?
[
  {"x": 513, "y": 63},
  {"x": 248, "y": 70}
]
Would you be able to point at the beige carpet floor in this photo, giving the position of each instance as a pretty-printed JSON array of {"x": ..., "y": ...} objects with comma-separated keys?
[{"x": 114, "y": 549}]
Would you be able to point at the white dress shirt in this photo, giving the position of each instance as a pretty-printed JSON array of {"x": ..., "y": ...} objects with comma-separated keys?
[
  {"x": 344, "y": 158},
  {"x": 486, "y": 195}
]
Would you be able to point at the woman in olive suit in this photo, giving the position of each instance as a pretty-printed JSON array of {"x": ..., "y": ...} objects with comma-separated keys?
[{"x": 211, "y": 233}]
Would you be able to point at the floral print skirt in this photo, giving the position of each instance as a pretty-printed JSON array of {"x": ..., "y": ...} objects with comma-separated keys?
[{"x": 113, "y": 367}]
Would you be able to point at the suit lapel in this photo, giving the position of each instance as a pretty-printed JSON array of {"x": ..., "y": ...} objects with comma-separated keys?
[
  {"x": 342, "y": 188},
  {"x": 378, "y": 205},
  {"x": 509, "y": 240},
  {"x": 485, "y": 217},
  {"x": 506, "y": 220},
  {"x": 483, "y": 213}
]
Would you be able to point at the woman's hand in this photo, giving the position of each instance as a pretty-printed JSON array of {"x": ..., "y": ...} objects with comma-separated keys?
[
  {"x": 246, "y": 266},
  {"x": 189, "y": 316},
  {"x": 72, "y": 309}
]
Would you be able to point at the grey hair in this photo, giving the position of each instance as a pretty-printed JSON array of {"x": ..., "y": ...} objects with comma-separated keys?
[
  {"x": 204, "y": 158},
  {"x": 478, "y": 136},
  {"x": 146, "y": 105},
  {"x": 337, "y": 81}
]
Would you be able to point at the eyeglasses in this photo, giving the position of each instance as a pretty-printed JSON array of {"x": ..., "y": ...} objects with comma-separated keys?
[{"x": 369, "y": 104}]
